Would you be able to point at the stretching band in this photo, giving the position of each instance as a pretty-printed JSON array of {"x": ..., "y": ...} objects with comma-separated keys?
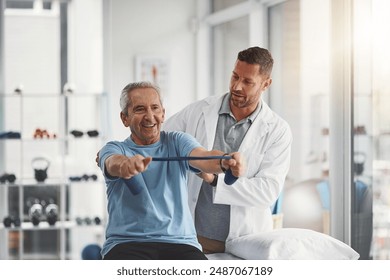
[
  {"x": 135, "y": 186},
  {"x": 189, "y": 158}
]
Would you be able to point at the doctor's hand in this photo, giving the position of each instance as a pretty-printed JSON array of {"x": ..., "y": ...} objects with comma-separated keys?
[
  {"x": 237, "y": 164},
  {"x": 207, "y": 177}
]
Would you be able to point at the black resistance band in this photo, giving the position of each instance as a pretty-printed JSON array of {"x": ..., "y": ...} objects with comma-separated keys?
[
  {"x": 189, "y": 158},
  {"x": 136, "y": 187}
]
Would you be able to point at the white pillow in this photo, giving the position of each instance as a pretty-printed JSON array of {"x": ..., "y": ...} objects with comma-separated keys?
[
  {"x": 290, "y": 244},
  {"x": 222, "y": 256}
]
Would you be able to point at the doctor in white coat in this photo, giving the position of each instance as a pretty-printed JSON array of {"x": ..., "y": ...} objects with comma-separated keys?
[{"x": 239, "y": 120}]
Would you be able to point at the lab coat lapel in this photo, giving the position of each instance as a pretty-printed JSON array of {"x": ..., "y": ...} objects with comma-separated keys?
[
  {"x": 258, "y": 129},
  {"x": 210, "y": 112}
]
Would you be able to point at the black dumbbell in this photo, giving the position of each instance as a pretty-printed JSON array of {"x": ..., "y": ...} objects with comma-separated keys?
[
  {"x": 76, "y": 133},
  {"x": 79, "y": 221},
  {"x": 16, "y": 221},
  {"x": 87, "y": 221},
  {"x": 75, "y": 178},
  {"x": 9, "y": 220},
  {"x": 93, "y": 133},
  {"x": 35, "y": 213},
  {"x": 84, "y": 177},
  {"x": 51, "y": 211},
  {"x": 97, "y": 221},
  {"x": 11, "y": 178}
]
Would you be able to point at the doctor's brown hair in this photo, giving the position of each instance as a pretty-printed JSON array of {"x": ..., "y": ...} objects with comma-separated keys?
[{"x": 260, "y": 56}]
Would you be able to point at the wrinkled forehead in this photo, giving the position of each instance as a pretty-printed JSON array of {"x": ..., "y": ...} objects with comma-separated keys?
[{"x": 144, "y": 96}]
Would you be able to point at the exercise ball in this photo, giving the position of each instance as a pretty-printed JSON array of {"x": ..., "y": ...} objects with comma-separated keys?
[
  {"x": 91, "y": 252},
  {"x": 302, "y": 206}
]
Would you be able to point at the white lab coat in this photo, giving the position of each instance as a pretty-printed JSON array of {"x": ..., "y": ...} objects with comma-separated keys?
[{"x": 266, "y": 148}]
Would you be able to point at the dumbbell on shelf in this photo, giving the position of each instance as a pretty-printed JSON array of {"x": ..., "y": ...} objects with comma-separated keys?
[
  {"x": 84, "y": 177},
  {"x": 88, "y": 221},
  {"x": 79, "y": 221},
  {"x": 97, "y": 220},
  {"x": 10, "y": 178},
  {"x": 51, "y": 212},
  {"x": 16, "y": 221},
  {"x": 90, "y": 133},
  {"x": 8, "y": 221},
  {"x": 35, "y": 211}
]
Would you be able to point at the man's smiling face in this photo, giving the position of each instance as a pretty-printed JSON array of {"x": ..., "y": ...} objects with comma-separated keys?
[{"x": 145, "y": 114}]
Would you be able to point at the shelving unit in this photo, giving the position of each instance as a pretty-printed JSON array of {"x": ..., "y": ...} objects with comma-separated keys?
[{"x": 69, "y": 157}]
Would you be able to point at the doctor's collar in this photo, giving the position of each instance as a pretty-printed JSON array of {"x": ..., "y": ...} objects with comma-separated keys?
[{"x": 225, "y": 109}]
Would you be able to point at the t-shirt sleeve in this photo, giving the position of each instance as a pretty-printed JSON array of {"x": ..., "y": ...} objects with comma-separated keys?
[
  {"x": 111, "y": 148},
  {"x": 186, "y": 144}
]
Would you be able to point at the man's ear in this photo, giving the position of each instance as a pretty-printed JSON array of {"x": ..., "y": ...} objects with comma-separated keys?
[
  {"x": 267, "y": 84},
  {"x": 163, "y": 116},
  {"x": 124, "y": 119}
]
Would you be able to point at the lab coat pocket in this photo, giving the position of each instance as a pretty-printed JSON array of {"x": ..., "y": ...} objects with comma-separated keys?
[{"x": 254, "y": 161}]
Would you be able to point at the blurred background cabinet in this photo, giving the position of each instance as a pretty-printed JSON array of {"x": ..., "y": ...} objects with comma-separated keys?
[{"x": 52, "y": 192}]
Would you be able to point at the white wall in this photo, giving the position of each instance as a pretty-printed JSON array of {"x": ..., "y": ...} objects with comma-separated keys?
[
  {"x": 32, "y": 59},
  {"x": 314, "y": 85},
  {"x": 85, "y": 46},
  {"x": 143, "y": 28}
]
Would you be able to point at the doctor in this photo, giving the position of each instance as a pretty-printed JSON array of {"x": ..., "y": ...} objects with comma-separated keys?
[{"x": 238, "y": 120}]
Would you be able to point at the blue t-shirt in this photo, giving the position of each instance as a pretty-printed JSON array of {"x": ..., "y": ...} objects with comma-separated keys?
[{"x": 160, "y": 212}]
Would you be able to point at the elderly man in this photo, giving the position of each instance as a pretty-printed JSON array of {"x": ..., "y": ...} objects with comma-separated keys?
[{"x": 153, "y": 220}]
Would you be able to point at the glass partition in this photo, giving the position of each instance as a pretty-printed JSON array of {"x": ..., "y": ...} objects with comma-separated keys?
[
  {"x": 371, "y": 118},
  {"x": 300, "y": 93},
  {"x": 303, "y": 93}
]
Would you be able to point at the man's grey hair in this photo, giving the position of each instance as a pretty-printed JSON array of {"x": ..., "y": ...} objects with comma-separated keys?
[{"x": 124, "y": 99}]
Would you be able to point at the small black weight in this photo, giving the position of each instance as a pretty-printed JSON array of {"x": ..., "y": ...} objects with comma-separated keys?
[
  {"x": 51, "y": 211},
  {"x": 7, "y": 221},
  {"x": 40, "y": 172},
  {"x": 35, "y": 213}
]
